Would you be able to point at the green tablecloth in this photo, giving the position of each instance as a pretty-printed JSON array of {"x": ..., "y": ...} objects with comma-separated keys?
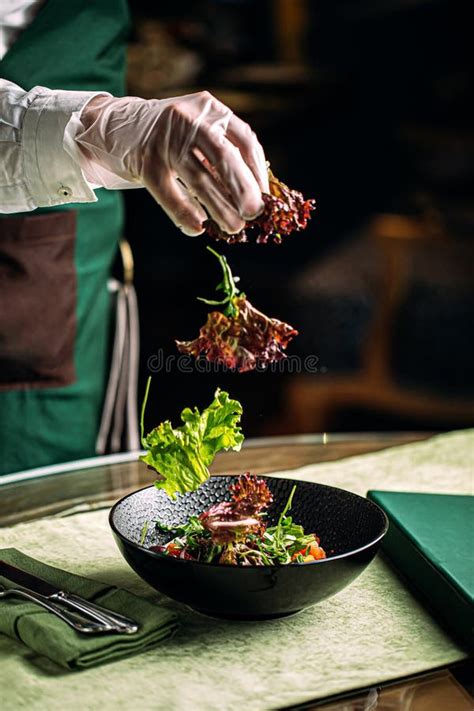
[{"x": 372, "y": 631}]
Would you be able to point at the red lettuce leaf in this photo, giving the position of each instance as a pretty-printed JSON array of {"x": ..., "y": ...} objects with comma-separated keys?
[
  {"x": 250, "y": 495},
  {"x": 241, "y": 341},
  {"x": 285, "y": 211},
  {"x": 231, "y": 521}
]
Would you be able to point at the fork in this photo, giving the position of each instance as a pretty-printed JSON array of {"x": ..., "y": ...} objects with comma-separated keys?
[{"x": 80, "y": 624}]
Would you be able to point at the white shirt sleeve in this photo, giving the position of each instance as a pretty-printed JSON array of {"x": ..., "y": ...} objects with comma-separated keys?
[{"x": 39, "y": 160}]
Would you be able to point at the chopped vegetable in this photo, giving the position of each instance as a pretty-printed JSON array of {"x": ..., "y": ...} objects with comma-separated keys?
[
  {"x": 285, "y": 211},
  {"x": 182, "y": 455},
  {"x": 240, "y": 337},
  {"x": 234, "y": 532},
  {"x": 143, "y": 532}
]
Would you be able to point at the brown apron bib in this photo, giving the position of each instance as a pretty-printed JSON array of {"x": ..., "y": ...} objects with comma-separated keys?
[{"x": 37, "y": 300}]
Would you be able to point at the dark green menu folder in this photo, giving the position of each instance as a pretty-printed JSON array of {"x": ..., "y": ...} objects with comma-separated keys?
[{"x": 431, "y": 542}]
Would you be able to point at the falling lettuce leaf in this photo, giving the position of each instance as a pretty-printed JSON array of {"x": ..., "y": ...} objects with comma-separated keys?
[
  {"x": 240, "y": 342},
  {"x": 240, "y": 337},
  {"x": 182, "y": 455}
]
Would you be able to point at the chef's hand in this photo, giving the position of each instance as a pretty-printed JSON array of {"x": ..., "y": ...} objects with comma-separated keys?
[{"x": 190, "y": 152}]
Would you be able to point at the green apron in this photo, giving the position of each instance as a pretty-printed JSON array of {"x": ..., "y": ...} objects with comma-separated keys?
[{"x": 72, "y": 45}]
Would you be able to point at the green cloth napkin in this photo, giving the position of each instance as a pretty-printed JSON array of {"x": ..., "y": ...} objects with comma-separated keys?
[{"x": 48, "y": 635}]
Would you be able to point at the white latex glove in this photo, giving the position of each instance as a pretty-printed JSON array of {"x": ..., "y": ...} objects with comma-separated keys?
[{"x": 180, "y": 149}]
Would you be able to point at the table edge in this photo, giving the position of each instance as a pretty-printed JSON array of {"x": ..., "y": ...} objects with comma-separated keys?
[{"x": 251, "y": 442}]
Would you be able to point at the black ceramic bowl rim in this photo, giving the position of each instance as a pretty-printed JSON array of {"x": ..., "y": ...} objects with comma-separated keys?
[{"x": 161, "y": 556}]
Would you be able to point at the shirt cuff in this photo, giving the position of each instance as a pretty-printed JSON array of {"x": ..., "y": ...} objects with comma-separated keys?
[
  {"x": 96, "y": 175},
  {"x": 52, "y": 175}
]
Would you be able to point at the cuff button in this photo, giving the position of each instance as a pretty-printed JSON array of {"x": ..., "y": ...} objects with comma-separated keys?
[{"x": 64, "y": 191}]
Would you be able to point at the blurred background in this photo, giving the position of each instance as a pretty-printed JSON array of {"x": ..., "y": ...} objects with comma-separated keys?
[{"x": 362, "y": 105}]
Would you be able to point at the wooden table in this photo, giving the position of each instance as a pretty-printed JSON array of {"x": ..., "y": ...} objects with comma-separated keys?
[
  {"x": 42, "y": 492},
  {"x": 31, "y": 495}
]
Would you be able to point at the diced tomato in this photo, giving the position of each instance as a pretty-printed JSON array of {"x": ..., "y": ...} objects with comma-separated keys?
[
  {"x": 316, "y": 551},
  {"x": 173, "y": 550}
]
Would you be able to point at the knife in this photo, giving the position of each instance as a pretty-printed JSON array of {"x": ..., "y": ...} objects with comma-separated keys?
[{"x": 74, "y": 602}]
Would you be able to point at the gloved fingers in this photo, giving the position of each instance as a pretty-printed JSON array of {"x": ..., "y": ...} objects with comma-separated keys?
[
  {"x": 211, "y": 194},
  {"x": 197, "y": 113},
  {"x": 241, "y": 135},
  {"x": 236, "y": 177},
  {"x": 181, "y": 207}
]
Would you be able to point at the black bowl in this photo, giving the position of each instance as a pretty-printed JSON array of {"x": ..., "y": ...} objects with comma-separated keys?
[{"x": 350, "y": 527}]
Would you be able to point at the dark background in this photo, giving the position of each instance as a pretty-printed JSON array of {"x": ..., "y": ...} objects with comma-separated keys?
[{"x": 362, "y": 105}]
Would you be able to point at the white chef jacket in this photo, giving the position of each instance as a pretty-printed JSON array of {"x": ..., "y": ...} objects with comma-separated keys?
[{"x": 39, "y": 158}]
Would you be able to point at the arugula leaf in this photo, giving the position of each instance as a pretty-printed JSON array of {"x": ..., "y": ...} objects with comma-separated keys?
[
  {"x": 227, "y": 285},
  {"x": 143, "y": 532},
  {"x": 194, "y": 525},
  {"x": 182, "y": 455}
]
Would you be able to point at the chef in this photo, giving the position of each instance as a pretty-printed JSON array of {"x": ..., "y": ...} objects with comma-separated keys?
[{"x": 69, "y": 140}]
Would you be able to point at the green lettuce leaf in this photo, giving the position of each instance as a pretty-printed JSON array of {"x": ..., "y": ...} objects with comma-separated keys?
[{"x": 183, "y": 454}]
